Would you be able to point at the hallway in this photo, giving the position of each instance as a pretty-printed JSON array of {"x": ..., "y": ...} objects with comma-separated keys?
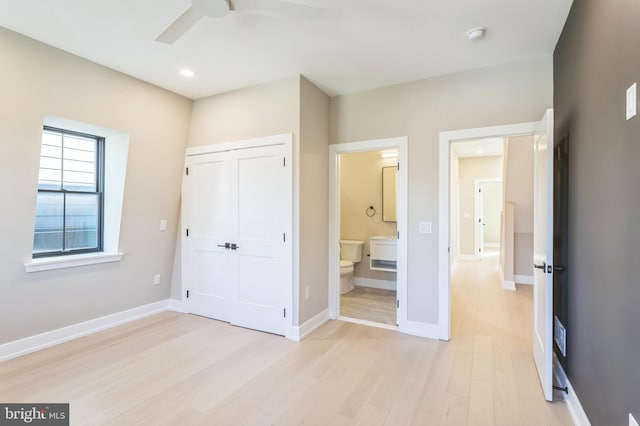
[{"x": 491, "y": 331}]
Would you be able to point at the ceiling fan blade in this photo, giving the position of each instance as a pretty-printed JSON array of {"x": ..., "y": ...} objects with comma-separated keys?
[{"x": 180, "y": 26}]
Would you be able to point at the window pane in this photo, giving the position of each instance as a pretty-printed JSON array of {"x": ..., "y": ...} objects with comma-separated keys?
[
  {"x": 49, "y": 223},
  {"x": 81, "y": 221},
  {"x": 79, "y": 163},
  {"x": 50, "y": 161}
]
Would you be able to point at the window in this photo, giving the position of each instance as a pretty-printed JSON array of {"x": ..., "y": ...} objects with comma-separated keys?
[{"x": 69, "y": 211}]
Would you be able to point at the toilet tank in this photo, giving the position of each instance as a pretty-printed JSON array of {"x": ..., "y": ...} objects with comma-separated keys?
[{"x": 351, "y": 250}]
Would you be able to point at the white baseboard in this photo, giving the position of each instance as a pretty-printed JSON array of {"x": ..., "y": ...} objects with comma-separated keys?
[
  {"x": 576, "y": 411},
  {"x": 422, "y": 329},
  {"x": 509, "y": 285},
  {"x": 176, "y": 305},
  {"x": 54, "y": 337},
  {"x": 300, "y": 332},
  {"x": 373, "y": 283},
  {"x": 524, "y": 279},
  {"x": 632, "y": 420}
]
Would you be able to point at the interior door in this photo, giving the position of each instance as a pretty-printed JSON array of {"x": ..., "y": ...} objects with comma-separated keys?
[
  {"x": 207, "y": 267},
  {"x": 263, "y": 208},
  {"x": 543, "y": 253}
]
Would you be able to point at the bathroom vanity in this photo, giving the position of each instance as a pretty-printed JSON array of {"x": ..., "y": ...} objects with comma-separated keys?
[{"x": 383, "y": 253}]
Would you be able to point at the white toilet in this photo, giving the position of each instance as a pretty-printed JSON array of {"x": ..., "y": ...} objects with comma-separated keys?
[{"x": 350, "y": 253}]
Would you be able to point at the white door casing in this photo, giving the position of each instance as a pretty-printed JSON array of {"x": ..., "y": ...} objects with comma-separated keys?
[
  {"x": 401, "y": 144},
  {"x": 543, "y": 253},
  {"x": 444, "y": 193},
  {"x": 237, "y": 257}
]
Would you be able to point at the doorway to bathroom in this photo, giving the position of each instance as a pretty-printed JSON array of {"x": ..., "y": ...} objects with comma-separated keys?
[{"x": 368, "y": 232}]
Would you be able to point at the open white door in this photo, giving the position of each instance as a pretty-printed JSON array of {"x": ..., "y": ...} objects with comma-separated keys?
[{"x": 543, "y": 253}]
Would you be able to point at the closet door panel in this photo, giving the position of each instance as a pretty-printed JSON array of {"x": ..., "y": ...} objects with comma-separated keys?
[
  {"x": 263, "y": 211},
  {"x": 211, "y": 269}
]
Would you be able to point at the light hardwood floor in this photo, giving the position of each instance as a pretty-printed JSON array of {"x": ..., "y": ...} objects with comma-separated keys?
[
  {"x": 369, "y": 304},
  {"x": 178, "y": 369}
]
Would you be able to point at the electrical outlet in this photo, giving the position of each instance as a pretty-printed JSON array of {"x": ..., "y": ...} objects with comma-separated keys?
[
  {"x": 163, "y": 225},
  {"x": 306, "y": 293},
  {"x": 156, "y": 279},
  {"x": 632, "y": 421},
  {"x": 560, "y": 335}
]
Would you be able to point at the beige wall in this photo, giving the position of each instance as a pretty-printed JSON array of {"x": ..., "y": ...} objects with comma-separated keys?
[
  {"x": 470, "y": 170},
  {"x": 519, "y": 192},
  {"x": 454, "y": 208},
  {"x": 361, "y": 187},
  {"x": 292, "y": 105},
  {"x": 37, "y": 80},
  {"x": 504, "y": 94},
  {"x": 314, "y": 199}
]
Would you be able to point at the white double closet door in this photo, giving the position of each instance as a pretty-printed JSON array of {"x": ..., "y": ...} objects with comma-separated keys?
[{"x": 237, "y": 251}]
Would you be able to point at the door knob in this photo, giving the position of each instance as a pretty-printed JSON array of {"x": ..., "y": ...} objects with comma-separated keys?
[{"x": 543, "y": 266}]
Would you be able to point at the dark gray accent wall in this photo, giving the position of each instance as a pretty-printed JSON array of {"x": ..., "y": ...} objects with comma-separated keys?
[{"x": 596, "y": 59}]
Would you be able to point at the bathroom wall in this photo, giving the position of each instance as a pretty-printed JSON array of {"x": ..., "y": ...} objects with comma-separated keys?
[
  {"x": 361, "y": 187},
  {"x": 470, "y": 170}
]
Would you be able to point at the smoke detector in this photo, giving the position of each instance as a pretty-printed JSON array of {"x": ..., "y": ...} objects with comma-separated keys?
[{"x": 476, "y": 33}]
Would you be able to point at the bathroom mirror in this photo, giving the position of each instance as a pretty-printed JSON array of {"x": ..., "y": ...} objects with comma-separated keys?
[{"x": 389, "y": 179}]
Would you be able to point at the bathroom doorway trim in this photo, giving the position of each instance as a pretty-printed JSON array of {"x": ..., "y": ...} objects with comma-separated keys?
[{"x": 401, "y": 144}]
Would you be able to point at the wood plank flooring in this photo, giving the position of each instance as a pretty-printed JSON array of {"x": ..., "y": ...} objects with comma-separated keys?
[
  {"x": 179, "y": 369},
  {"x": 370, "y": 304}
]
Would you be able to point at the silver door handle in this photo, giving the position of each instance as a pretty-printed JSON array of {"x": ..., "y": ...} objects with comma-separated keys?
[{"x": 543, "y": 266}]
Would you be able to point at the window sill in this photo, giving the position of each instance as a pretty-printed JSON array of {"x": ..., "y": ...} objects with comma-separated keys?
[{"x": 48, "y": 263}]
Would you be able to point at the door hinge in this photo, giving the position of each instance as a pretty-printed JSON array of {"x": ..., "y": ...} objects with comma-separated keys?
[
  {"x": 284, "y": 161},
  {"x": 284, "y": 313},
  {"x": 398, "y": 165},
  {"x": 187, "y": 294},
  {"x": 187, "y": 171},
  {"x": 284, "y": 237},
  {"x": 187, "y": 232},
  {"x": 397, "y": 303},
  {"x": 398, "y": 234}
]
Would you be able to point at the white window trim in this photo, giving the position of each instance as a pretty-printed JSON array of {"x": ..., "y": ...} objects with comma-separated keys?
[
  {"x": 71, "y": 261},
  {"x": 116, "y": 150}
]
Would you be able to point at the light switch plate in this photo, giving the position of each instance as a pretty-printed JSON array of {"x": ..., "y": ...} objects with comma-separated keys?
[
  {"x": 425, "y": 228},
  {"x": 163, "y": 225},
  {"x": 156, "y": 279},
  {"x": 631, "y": 101}
]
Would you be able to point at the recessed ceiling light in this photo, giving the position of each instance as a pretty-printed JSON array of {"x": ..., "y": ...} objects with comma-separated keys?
[
  {"x": 186, "y": 72},
  {"x": 476, "y": 33}
]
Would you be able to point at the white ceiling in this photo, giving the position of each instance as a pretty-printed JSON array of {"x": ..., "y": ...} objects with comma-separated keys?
[
  {"x": 358, "y": 45},
  {"x": 479, "y": 147}
]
